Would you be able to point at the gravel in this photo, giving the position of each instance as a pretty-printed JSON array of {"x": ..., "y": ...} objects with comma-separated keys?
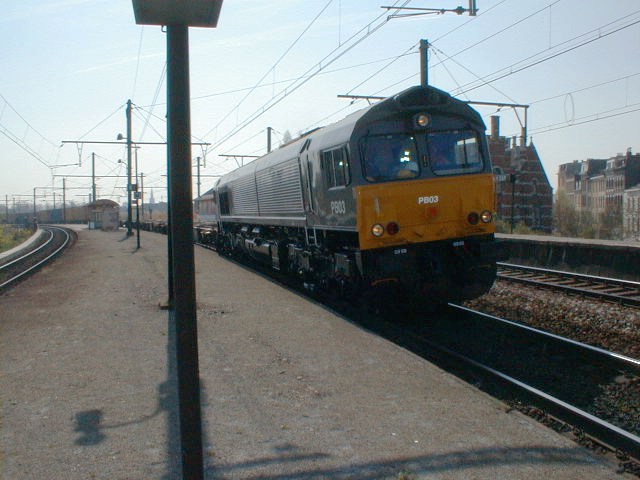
[
  {"x": 606, "y": 325},
  {"x": 602, "y": 324}
]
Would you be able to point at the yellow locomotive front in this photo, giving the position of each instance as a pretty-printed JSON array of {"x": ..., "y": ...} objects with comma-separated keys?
[{"x": 426, "y": 203}]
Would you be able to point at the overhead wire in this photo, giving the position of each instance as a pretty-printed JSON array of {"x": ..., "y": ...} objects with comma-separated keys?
[
  {"x": 272, "y": 68},
  {"x": 442, "y": 62},
  {"x": 153, "y": 102},
  {"x": 586, "y": 119},
  {"x": 11, "y": 136},
  {"x": 148, "y": 124},
  {"x": 508, "y": 27},
  {"x": 7, "y": 104},
  {"x": 120, "y": 107},
  {"x": 444, "y": 65},
  {"x": 407, "y": 52},
  {"x": 364, "y": 33},
  {"x": 584, "y": 89},
  {"x": 520, "y": 65},
  {"x": 510, "y": 70},
  {"x": 393, "y": 60},
  {"x": 288, "y": 80},
  {"x": 467, "y": 48},
  {"x": 417, "y": 44}
]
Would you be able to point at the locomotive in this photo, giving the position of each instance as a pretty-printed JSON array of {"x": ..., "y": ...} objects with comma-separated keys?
[{"x": 395, "y": 198}]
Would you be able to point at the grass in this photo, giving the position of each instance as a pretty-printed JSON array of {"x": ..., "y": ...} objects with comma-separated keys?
[{"x": 10, "y": 237}]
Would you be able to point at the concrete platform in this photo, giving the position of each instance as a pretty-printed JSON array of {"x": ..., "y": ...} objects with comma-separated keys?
[
  {"x": 289, "y": 389},
  {"x": 604, "y": 258}
]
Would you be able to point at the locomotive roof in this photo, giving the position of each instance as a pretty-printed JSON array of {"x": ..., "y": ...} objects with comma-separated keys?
[
  {"x": 414, "y": 99},
  {"x": 417, "y": 99}
]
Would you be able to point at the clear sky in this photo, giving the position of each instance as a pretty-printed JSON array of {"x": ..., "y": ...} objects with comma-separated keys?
[{"x": 68, "y": 67}]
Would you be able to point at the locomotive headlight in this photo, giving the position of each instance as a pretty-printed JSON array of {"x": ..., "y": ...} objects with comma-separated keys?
[
  {"x": 486, "y": 216},
  {"x": 377, "y": 230},
  {"x": 422, "y": 120}
]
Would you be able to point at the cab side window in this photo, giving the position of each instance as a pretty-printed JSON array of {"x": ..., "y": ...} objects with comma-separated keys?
[
  {"x": 335, "y": 167},
  {"x": 224, "y": 202}
]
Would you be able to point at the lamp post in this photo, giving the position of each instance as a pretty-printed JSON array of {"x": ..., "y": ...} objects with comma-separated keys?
[
  {"x": 35, "y": 214},
  {"x": 177, "y": 17},
  {"x": 128, "y": 138}
]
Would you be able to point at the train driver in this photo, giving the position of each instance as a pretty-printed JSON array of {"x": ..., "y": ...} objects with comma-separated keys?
[
  {"x": 388, "y": 158},
  {"x": 437, "y": 155}
]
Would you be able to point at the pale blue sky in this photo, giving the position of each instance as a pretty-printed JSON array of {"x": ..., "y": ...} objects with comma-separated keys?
[{"x": 69, "y": 66}]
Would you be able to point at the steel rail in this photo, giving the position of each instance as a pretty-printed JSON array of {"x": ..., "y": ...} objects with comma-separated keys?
[
  {"x": 603, "y": 432},
  {"x": 617, "y": 357},
  {"x": 597, "y": 429},
  {"x": 38, "y": 264},
  {"x": 592, "y": 288},
  {"x": 29, "y": 253}
]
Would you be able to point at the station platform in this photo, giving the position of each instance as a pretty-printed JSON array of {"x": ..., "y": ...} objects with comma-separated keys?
[
  {"x": 603, "y": 258},
  {"x": 289, "y": 389}
]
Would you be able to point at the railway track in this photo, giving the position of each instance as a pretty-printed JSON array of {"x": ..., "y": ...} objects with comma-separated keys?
[
  {"x": 546, "y": 359},
  {"x": 559, "y": 378},
  {"x": 25, "y": 262},
  {"x": 625, "y": 292}
]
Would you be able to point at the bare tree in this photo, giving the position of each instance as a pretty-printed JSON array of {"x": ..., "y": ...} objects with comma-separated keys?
[
  {"x": 286, "y": 137},
  {"x": 565, "y": 217}
]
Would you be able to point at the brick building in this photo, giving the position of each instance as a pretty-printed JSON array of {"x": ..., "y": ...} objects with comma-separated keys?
[{"x": 524, "y": 194}]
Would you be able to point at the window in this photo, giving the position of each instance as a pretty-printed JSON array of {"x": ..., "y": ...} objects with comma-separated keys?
[
  {"x": 335, "y": 165},
  {"x": 454, "y": 152},
  {"x": 390, "y": 157},
  {"x": 224, "y": 203}
]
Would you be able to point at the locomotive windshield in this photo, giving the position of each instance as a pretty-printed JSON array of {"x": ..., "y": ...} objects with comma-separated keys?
[
  {"x": 390, "y": 157},
  {"x": 454, "y": 152}
]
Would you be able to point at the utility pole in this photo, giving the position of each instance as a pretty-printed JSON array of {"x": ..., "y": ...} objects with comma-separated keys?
[
  {"x": 35, "y": 217},
  {"x": 424, "y": 62},
  {"x": 137, "y": 199},
  {"x": 142, "y": 193},
  {"x": 64, "y": 200},
  {"x": 129, "y": 219},
  {"x": 424, "y": 44},
  {"x": 269, "y": 129},
  {"x": 93, "y": 176},
  {"x": 129, "y": 142},
  {"x": 198, "y": 160}
]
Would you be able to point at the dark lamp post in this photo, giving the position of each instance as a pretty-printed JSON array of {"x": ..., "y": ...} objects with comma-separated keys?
[
  {"x": 188, "y": 13},
  {"x": 177, "y": 16}
]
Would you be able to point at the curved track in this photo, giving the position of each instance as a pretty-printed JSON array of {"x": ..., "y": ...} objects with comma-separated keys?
[
  {"x": 625, "y": 292},
  {"x": 56, "y": 240}
]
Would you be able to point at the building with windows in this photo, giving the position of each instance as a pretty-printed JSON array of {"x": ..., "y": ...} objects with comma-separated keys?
[
  {"x": 524, "y": 194},
  {"x": 597, "y": 189},
  {"x": 631, "y": 213}
]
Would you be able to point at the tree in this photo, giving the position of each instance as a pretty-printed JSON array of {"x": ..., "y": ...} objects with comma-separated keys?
[
  {"x": 611, "y": 222},
  {"x": 286, "y": 137},
  {"x": 565, "y": 217}
]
